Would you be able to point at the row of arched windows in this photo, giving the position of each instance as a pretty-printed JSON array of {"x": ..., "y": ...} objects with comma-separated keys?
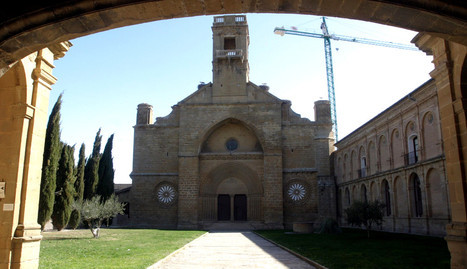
[
  {"x": 410, "y": 197},
  {"x": 378, "y": 155}
]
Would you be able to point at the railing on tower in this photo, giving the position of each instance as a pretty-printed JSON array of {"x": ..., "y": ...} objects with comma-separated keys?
[
  {"x": 237, "y": 53},
  {"x": 239, "y": 19}
]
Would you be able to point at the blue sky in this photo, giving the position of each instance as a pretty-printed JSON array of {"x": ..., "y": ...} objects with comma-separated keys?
[{"x": 106, "y": 75}]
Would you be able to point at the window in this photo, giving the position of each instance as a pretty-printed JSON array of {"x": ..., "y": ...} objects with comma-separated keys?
[
  {"x": 387, "y": 197},
  {"x": 415, "y": 147},
  {"x": 416, "y": 193},
  {"x": 363, "y": 194},
  {"x": 347, "y": 197},
  {"x": 412, "y": 156},
  {"x": 229, "y": 43},
  {"x": 231, "y": 144},
  {"x": 345, "y": 165},
  {"x": 363, "y": 167}
]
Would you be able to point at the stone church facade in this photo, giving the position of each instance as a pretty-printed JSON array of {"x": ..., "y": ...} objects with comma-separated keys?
[
  {"x": 398, "y": 158},
  {"x": 231, "y": 152}
]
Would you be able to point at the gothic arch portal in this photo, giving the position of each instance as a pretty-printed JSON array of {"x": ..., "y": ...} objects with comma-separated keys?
[
  {"x": 228, "y": 181},
  {"x": 247, "y": 132}
]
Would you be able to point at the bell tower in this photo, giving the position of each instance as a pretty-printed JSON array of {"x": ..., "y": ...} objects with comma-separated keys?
[{"x": 230, "y": 57}]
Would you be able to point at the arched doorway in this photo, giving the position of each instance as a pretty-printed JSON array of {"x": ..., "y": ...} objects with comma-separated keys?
[
  {"x": 232, "y": 200},
  {"x": 232, "y": 191},
  {"x": 231, "y": 161}
]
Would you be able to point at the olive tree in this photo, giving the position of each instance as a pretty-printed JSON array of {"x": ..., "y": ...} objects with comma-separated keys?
[{"x": 94, "y": 211}]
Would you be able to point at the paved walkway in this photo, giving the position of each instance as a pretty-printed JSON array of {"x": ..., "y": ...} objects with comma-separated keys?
[{"x": 231, "y": 250}]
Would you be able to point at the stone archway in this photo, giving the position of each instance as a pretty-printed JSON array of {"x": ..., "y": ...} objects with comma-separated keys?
[
  {"x": 35, "y": 26},
  {"x": 28, "y": 28},
  {"x": 24, "y": 96},
  {"x": 230, "y": 182},
  {"x": 449, "y": 75}
]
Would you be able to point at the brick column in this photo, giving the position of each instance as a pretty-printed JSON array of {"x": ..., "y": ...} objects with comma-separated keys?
[
  {"x": 273, "y": 205},
  {"x": 449, "y": 59},
  {"x": 188, "y": 189}
]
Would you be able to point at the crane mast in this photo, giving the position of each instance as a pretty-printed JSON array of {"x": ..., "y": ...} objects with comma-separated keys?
[
  {"x": 328, "y": 57},
  {"x": 330, "y": 76}
]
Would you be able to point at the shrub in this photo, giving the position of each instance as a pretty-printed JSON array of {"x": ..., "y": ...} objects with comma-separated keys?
[
  {"x": 94, "y": 212},
  {"x": 330, "y": 226},
  {"x": 366, "y": 214}
]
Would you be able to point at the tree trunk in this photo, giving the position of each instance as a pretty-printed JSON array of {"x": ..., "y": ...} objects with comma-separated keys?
[
  {"x": 94, "y": 229},
  {"x": 95, "y": 232}
]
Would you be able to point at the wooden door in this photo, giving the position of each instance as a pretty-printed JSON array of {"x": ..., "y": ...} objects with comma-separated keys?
[
  {"x": 223, "y": 207},
  {"x": 240, "y": 207}
]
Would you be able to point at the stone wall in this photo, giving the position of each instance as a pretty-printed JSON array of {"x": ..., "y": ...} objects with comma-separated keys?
[
  {"x": 305, "y": 209},
  {"x": 228, "y": 139},
  {"x": 401, "y": 148},
  {"x": 185, "y": 148}
]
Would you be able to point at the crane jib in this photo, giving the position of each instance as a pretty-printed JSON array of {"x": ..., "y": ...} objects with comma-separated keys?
[{"x": 328, "y": 56}]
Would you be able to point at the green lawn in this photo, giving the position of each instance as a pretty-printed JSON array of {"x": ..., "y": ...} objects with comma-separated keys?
[
  {"x": 116, "y": 248},
  {"x": 352, "y": 249}
]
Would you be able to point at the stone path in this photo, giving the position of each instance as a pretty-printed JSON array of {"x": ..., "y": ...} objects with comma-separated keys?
[{"x": 231, "y": 250}]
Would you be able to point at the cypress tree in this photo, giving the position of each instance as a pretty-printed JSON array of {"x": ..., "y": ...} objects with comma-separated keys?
[
  {"x": 91, "y": 171},
  {"x": 64, "y": 191},
  {"x": 50, "y": 165},
  {"x": 105, "y": 188},
  {"x": 75, "y": 217}
]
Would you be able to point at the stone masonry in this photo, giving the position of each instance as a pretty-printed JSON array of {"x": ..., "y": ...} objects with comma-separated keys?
[
  {"x": 398, "y": 158},
  {"x": 231, "y": 152}
]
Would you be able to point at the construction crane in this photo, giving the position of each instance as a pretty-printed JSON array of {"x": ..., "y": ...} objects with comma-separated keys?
[{"x": 328, "y": 56}]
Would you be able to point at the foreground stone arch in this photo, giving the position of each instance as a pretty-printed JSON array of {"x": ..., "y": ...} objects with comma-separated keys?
[
  {"x": 36, "y": 26},
  {"x": 24, "y": 99},
  {"x": 28, "y": 28}
]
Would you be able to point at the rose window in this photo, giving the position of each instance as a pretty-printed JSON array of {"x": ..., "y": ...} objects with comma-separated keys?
[
  {"x": 166, "y": 194},
  {"x": 296, "y": 192},
  {"x": 231, "y": 144}
]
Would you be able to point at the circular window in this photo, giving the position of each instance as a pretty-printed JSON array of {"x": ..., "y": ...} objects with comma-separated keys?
[
  {"x": 296, "y": 192},
  {"x": 231, "y": 144},
  {"x": 166, "y": 194}
]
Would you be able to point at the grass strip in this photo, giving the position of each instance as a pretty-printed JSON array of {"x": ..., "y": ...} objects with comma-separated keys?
[
  {"x": 352, "y": 249},
  {"x": 116, "y": 248}
]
